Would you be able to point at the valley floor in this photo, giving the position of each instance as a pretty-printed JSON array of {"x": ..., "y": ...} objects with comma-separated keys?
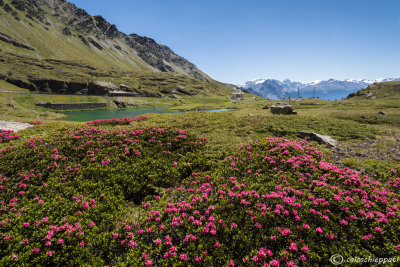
[{"x": 368, "y": 141}]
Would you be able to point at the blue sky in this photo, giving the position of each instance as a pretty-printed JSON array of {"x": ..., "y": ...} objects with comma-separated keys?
[{"x": 238, "y": 40}]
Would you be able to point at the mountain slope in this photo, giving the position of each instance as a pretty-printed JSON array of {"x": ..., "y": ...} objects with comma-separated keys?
[
  {"x": 330, "y": 89},
  {"x": 385, "y": 90},
  {"x": 57, "y": 29}
]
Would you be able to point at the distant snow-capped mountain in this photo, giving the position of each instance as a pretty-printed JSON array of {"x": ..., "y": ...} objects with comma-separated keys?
[{"x": 329, "y": 89}]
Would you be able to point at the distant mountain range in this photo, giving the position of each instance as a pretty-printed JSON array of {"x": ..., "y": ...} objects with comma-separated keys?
[{"x": 329, "y": 89}]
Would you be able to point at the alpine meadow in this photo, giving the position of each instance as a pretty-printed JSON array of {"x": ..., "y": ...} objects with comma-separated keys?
[{"x": 117, "y": 151}]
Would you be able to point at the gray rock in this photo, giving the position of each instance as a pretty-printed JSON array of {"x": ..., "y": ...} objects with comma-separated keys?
[
  {"x": 120, "y": 104},
  {"x": 322, "y": 139},
  {"x": 14, "y": 125},
  {"x": 283, "y": 110},
  {"x": 381, "y": 113}
]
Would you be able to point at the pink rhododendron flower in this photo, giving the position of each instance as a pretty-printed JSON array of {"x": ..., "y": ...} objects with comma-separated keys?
[{"x": 183, "y": 257}]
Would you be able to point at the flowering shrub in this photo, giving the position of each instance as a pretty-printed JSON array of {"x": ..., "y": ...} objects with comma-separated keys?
[
  {"x": 67, "y": 200},
  {"x": 276, "y": 203},
  {"x": 116, "y": 121},
  {"x": 7, "y": 135},
  {"x": 62, "y": 197}
]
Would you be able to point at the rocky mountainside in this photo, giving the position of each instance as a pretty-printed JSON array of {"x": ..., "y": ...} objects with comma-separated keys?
[
  {"x": 43, "y": 30},
  {"x": 329, "y": 89}
]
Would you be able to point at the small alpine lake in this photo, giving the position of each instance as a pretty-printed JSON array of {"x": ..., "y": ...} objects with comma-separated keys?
[{"x": 90, "y": 115}]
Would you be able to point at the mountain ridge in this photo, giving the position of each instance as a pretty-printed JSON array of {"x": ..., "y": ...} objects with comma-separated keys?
[
  {"x": 41, "y": 39},
  {"x": 327, "y": 89},
  {"x": 94, "y": 32}
]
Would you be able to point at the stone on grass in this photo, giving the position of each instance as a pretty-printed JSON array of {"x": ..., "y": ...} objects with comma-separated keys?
[
  {"x": 14, "y": 125},
  {"x": 283, "y": 110},
  {"x": 321, "y": 139}
]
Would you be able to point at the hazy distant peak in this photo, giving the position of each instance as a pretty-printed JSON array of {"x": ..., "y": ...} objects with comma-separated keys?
[{"x": 327, "y": 89}]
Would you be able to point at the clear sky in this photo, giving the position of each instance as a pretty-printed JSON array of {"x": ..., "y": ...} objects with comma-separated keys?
[{"x": 238, "y": 40}]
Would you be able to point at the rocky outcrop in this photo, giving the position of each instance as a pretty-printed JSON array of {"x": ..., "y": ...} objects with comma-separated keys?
[
  {"x": 67, "y": 31},
  {"x": 322, "y": 139},
  {"x": 8, "y": 39},
  {"x": 71, "y": 87},
  {"x": 120, "y": 104},
  {"x": 283, "y": 110},
  {"x": 110, "y": 30},
  {"x": 157, "y": 55},
  {"x": 180, "y": 90}
]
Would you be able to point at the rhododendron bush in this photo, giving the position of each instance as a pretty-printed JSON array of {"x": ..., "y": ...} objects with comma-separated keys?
[
  {"x": 7, "y": 136},
  {"x": 70, "y": 199},
  {"x": 117, "y": 121},
  {"x": 277, "y": 203},
  {"x": 61, "y": 197}
]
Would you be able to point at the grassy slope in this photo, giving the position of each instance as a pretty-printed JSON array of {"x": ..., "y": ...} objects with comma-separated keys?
[
  {"x": 119, "y": 66},
  {"x": 51, "y": 43}
]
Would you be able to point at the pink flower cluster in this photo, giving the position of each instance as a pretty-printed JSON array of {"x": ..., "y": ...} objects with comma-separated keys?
[
  {"x": 7, "y": 136},
  {"x": 115, "y": 121},
  {"x": 297, "y": 203}
]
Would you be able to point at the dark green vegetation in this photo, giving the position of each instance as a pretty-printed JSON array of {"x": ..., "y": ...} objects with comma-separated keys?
[{"x": 83, "y": 178}]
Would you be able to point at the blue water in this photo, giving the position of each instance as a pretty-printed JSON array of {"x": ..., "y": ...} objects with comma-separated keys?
[
  {"x": 218, "y": 110},
  {"x": 90, "y": 115}
]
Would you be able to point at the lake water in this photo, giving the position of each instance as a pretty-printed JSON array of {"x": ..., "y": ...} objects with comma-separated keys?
[{"x": 90, "y": 115}]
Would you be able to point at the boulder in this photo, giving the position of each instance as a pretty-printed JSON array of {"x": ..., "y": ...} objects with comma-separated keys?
[
  {"x": 321, "y": 139},
  {"x": 120, "y": 104},
  {"x": 14, "y": 125},
  {"x": 283, "y": 110}
]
